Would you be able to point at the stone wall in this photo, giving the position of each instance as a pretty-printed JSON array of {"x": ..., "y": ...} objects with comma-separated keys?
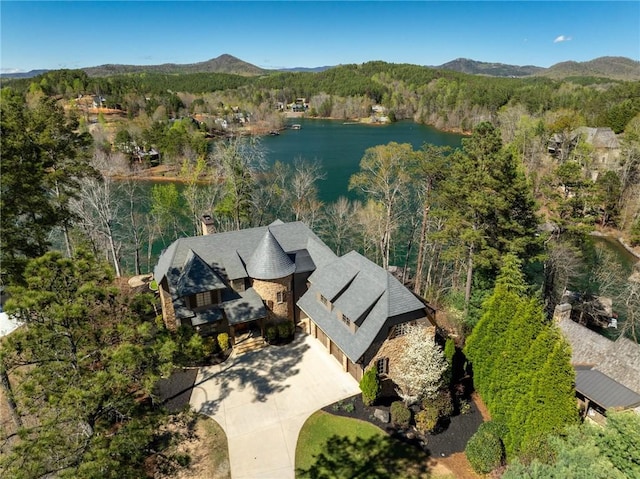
[
  {"x": 268, "y": 291},
  {"x": 168, "y": 313}
]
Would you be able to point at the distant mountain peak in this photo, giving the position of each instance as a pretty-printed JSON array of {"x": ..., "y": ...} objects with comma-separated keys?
[
  {"x": 617, "y": 68},
  {"x": 474, "y": 67},
  {"x": 224, "y": 63}
]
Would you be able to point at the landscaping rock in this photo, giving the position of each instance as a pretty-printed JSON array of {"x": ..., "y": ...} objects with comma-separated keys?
[{"x": 382, "y": 415}]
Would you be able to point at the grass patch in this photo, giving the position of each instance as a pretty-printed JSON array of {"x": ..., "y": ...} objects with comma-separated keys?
[
  {"x": 370, "y": 450},
  {"x": 215, "y": 441},
  {"x": 320, "y": 427}
]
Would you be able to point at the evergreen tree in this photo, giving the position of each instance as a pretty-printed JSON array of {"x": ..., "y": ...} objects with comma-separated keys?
[
  {"x": 43, "y": 157},
  {"x": 522, "y": 365},
  {"x": 85, "y": 364},
  {"x": 490, "y": 207},
  {"x": 485, "y": 346},
  {"x": 546, "y": 400}
]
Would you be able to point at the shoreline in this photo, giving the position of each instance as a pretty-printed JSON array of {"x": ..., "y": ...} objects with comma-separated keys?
[{"x": 617, "y": 235}]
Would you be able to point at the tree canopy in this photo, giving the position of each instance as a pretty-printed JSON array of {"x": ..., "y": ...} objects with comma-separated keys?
[{"x": 84, "y": 365}]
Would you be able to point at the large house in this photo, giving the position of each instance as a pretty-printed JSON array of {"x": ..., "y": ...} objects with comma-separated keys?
[{"x": 239, "y": 282}]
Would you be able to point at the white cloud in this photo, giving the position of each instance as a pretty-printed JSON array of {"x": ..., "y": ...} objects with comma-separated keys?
[
  {"x": 11, "y": 70},
  {"x": 562, "y": 38}
]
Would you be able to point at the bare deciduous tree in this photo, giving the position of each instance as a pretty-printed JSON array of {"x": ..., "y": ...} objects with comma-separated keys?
[{"x": 98, "y": 211}]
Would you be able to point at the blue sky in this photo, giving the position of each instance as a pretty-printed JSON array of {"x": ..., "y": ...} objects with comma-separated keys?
[{"x": 77, "y": 34}]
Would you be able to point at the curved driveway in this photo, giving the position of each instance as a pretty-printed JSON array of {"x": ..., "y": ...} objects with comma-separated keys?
[{"x": 262, "y": 398}]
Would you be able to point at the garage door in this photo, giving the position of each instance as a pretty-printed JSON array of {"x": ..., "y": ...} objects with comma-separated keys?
[
  {"x": 321, "y": 336},
  {"x": 336, "y": 352}
]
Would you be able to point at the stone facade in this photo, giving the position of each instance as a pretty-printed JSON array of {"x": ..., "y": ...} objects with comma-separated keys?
[{"x": 278, "y": 296}]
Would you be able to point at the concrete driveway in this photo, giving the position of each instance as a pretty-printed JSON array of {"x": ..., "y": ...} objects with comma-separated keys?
[{"x": 261, "y": 399}]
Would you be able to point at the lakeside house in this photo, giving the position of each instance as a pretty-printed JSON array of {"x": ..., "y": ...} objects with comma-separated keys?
[
  {"x": 604, "y": 144},
  {"x": 239, "y": 282},
  {"x": 607, "y": 372}
]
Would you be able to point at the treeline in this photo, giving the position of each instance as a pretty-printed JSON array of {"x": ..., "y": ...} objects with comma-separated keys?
[{"x": 438, "y": 97}]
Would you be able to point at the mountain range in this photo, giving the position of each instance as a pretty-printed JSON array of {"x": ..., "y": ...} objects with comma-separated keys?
[{"x": 617, "y": 68}]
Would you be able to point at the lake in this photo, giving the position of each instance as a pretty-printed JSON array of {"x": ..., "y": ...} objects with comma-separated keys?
[{"x": 339, "y": 147}]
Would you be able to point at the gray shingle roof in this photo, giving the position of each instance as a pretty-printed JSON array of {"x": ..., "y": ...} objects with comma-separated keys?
[
  {"x": 587, "y": 347},
  {"x": 247, "y": 307},
  {"x": 603, "y": 390},
  {"x": 197, "y": 277},
  {"x": 365, "y": 292},
  {"x": 227, "y": 253},
  {"x": 619, "y": 359},
  {"x": 269, "y": 261},
  {"x": 207, "y": 316}
]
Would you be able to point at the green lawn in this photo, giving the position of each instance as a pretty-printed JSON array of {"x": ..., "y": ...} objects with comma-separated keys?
[
  {"x": 372, "y": 460},
  {"x": 320, "y": 427}
]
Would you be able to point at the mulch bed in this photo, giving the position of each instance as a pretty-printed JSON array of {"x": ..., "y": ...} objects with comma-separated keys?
[
  {"x": 451, "y": 439},
  {"x": 174, "y": 392}
]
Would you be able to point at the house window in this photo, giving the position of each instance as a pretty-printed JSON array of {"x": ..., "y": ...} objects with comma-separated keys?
[
  {"x": 382, "y": 365},
  {"x": 281, "y": 296},
  {"x": 346, "y": 320},
  {"x": 325, "y": 301},
  {"x": 202, "y": 299},
  {"x": 401, "y": 329}
]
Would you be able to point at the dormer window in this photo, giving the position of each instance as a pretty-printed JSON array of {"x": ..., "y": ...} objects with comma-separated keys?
[
  {"x": 346, "y": 320},
  {"x": 325, "y": 302}
]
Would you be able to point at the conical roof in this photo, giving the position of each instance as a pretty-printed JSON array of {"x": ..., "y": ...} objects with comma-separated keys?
[{"x": 269, "y": 261}]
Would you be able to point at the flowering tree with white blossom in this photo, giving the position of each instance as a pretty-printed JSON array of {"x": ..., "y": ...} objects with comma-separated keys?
[{"x": 418, "y": 372}]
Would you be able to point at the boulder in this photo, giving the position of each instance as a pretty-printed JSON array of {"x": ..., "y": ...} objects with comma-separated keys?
[{"x": 382, "y": 415}]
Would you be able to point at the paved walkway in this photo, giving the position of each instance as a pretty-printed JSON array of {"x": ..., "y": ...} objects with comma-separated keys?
[{"x": 261, "y": 399}]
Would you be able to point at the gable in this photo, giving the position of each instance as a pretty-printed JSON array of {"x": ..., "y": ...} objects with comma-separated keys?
[
  {"x": 197, "y": 277},
  {"x": 364, "y": 292}
]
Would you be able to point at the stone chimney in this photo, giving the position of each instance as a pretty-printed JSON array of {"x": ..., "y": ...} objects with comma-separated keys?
[
  {"x": 208, "y": 226},
  {"x": 562, "y": 311}
]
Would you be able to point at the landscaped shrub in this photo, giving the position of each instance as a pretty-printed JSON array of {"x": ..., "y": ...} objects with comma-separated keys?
[
  {"x": 493, "y": 427},
  {"x": 285, "y": 330},
  {"x": 271, "y": 333},
  {"x": 441, "y": 404},
  {"x": 426, "y": 420},
  {"x": 223, "y": 341},
  {"x": 370, "y": 386},
  {"x": 211, "y": 346},
  {"x": 484, "y": 450},
  {"x": 400, "y": 414},
  {"x": 434, "y": 410}
]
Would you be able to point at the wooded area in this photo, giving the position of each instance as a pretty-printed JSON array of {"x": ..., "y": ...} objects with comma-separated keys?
[{"x": 488, "y": 233}]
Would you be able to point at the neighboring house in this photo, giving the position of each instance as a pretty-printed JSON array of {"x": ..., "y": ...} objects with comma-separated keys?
[
  {"x": 99, "y": 101},
  {"x": 603, "y": 141},
  {"x": 607, "y": 372},
  {"x": 241, "y": 281},
  {"x": 605, "y": 145}
]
